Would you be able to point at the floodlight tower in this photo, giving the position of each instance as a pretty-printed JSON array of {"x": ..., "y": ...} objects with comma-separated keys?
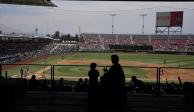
[
  {"x": 113, "y": 15},
  {"x": 36, "y": 31},
  {"x": 143, "y": 15},
  {"x": 79, "y": 36}
]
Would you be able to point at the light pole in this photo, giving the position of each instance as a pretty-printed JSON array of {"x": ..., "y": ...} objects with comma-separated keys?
[
  {"x": 113, "y": 15},
  {"x": 36, "y": 31},
  {"x": 143, "y": 15}
]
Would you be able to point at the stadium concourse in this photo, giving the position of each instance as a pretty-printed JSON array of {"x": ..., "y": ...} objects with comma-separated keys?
[{"x": 62, "y": 96}]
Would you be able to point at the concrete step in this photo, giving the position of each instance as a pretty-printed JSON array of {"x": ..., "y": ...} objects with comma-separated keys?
[{"x": 44, "y": 101}]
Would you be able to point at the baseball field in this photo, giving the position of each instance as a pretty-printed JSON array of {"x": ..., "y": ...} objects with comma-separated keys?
[{"x": 75, "y": 65}]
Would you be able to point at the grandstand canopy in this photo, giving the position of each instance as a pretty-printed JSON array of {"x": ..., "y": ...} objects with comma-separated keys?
[{"x": 29, "y": 2}]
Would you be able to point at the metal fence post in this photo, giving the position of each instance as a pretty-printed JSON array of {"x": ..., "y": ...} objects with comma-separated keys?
[
  {"x": 5, "y": 74},
  {"x": 21, "y": 72},
  {"x": 158, "y": 82},
  {"x": 0, "y": 71},
  {"x": 51, "y": 75},
  {"x": 159, "y": 77}
]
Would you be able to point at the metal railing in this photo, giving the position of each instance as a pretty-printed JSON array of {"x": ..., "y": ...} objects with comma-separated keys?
[{"x": 52, "y": 71}]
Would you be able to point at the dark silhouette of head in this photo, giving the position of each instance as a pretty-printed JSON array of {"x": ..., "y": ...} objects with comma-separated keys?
[
  {"x": 133, "y": 78},
  {"x": 80, "y": 80},
  {"x": 115, "y": 59},
  {"x": 93, "y": 66},
  {"x": 61, "y": 79},
  {"x": 86, "y": 80},
  {"x": 33, "y": 77}
]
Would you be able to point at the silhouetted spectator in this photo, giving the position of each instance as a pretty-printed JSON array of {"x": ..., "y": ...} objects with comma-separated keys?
[
  {"x": 188, "y": 88},
  {"x": 79, "y": 87},
  {"x": 54, "y": 85},
  {"x": 61, "y": 84},
  {"x": 68, "y": 87},
  {"x": 2, "y": 78},
  {"x": 33, "y": 83},
  {"x": 113, "y": 83},
  {"x": 171, "y": 88},
  {"x": 85, "y": 84},
  {"x": 138, "y": 85},
  {"x": 93, "y": 75},
  {"x": 93, "y": 85},
  {"x": 45, "y": 85}
]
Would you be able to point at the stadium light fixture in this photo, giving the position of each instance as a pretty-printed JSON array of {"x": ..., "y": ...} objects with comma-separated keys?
[
  {"x": 143, "y": 15},
  {"x": 113, "y": 15}
]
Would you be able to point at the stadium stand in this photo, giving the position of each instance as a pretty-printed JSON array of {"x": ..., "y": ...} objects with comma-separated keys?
[
  {"x": 14, "y": 48},
  {"x": 72, "y": 95},
  {"x": 62, "y": 48},
  {"x": 172, "y": 43}
]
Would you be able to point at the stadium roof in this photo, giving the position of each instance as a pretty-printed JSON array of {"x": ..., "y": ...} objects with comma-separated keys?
[{"x": 29, "y": 2}]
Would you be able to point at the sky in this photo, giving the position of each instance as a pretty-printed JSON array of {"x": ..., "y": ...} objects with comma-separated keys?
[{"x": 92, "y": 16}]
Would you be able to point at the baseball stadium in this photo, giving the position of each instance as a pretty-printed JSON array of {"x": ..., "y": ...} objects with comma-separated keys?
[
  {"x": 52, "y": 73},
  {"x": 71, "y": 58}
]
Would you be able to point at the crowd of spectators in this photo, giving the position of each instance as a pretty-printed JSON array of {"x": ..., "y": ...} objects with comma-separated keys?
[
  {"x": 62, "y": 48},
  {"x": 82, "y": 85},
  {"x": 178, "y": 43},
  {"x": 14, "y": 52}
]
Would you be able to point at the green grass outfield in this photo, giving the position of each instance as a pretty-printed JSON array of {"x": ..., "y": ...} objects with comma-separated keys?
[{"x": 77, "y": 71}]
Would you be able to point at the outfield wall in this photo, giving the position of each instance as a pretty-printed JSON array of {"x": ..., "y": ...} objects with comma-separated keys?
[
  {"x": 173, "y": 52},
  {"x": 137, "y": 51}
]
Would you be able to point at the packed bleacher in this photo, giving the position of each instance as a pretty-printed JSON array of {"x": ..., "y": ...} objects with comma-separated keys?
[
  {"x": 17, "y": 48},
  {"x": 22, "y": 51},
  {"x": 62, "y": 48},
  {"x": 171, "y": 43}
]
